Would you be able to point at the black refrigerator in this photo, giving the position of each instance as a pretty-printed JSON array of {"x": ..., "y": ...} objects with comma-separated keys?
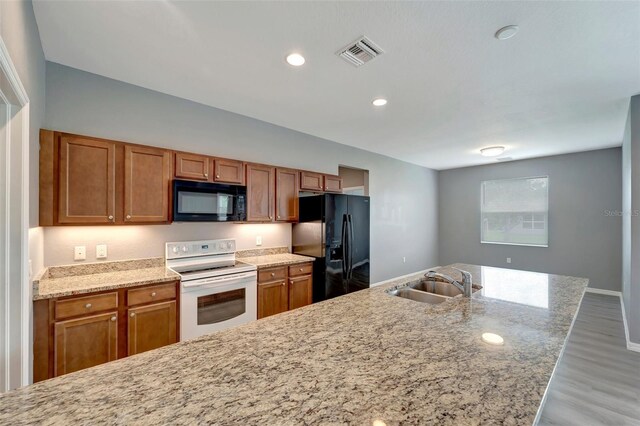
[{"x": 334, "y": 228}]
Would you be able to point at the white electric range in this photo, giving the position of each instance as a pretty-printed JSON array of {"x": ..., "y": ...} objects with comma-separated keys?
[{"x": 218, "y": 292}]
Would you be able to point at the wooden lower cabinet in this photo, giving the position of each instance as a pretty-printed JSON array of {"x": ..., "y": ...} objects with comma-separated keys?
[
  {"x": 76, "y": 332},
  {"x": 85, "y": 342},
  {"x": 283, "y": 288},
  {"x": 151, "y": 327}
]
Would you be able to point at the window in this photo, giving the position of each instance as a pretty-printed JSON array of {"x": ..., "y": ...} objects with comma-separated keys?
[{"x": 515, "y": 211}]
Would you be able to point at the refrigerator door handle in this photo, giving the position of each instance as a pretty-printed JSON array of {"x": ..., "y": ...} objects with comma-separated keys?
[
  {"x": 344, "y": 243},
  {"x": 350, "y": 223}
]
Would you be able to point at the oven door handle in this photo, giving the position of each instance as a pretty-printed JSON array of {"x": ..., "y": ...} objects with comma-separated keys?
[{"x": 216, "y": 281}]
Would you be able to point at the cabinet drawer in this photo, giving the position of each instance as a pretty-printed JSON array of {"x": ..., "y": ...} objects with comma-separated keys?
[
  {"x": 300, "y": 269},
  {"x": 138, "y": 296},
  {"x": 272, "y": 274},
  {"x": 68, "y": 308}
]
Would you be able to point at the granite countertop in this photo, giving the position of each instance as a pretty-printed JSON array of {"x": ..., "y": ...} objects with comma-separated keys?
[
  {"x": 58, "y": 281},
  {"x": 354, "y": 359},
  {"x": 270, "y": 257}
]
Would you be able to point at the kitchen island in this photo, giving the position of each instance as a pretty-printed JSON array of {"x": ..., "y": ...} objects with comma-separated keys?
[{"x": 362, "y": 358}]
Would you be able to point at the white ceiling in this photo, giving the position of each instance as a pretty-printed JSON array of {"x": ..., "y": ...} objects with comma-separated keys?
[{"x": 562, "y": 84}]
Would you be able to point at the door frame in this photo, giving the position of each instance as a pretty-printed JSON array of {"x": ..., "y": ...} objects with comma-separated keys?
[{"x": 15, "y": 292}]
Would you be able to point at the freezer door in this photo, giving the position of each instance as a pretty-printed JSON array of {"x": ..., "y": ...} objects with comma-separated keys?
[{"x": 358, "y": 262}]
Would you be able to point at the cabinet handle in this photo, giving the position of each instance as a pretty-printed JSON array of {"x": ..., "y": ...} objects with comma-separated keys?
[
  {"x": 88, "y": 306},
  {"x": 278, "y": 216},
  {"x": 153, "y": 294},
  {"x": 217, "y": 176},
  {"x": 270, "y": 217},
  {"x": 113, "y": 318},
  {"x": 206, "y": 175},
  {"x": 128, "y": 216},
  {"x": 283, "y": 283},
  {"x": 133, "y": 314},
  {"x": 273, "y": 274},
  {"x": 110, "y": 217},
  {"x": 300, "y": 269}
]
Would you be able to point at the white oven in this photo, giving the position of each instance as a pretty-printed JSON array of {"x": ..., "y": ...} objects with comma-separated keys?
[{"x": 216, "y": 291}]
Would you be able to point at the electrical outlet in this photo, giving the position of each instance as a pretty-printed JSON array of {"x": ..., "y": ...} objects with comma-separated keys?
[
  {"x": 80, "y": 253},
  {"x": 258, "y": 240},
  {"x": 508, "y": 260},
  {"x": 101, "y": 251}
]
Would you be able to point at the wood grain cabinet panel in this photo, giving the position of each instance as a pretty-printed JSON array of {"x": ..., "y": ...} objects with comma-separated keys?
[
  {"x": 332, "y": 183},
  {"x": 260, "y": 193},
  {"x": 87, "y": 181},
  {"x": 273, "y": 298},
  {"x": 85, "y": 342},
  {"x": 310, "y": 181},
  {"x": 151, "y": 327},
  {"x": 300, "y": 291},
  {"x": 147, "y": 175},
  {"x": 192, "y": 166},
  {"x": 287, "y": 188},
  {"x": 139, "y": 296},
  {"x": 272, "y": 274},
  {"x": 301, "y": 269},
  {"x": 228, "y": 171},
  {"x": 86, "y": 305}
]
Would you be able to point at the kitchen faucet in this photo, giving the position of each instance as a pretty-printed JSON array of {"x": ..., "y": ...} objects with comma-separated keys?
[{"x": 465, "y": 287}]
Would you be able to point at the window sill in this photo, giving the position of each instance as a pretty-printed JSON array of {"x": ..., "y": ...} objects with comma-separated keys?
[{"x": 515, "y": 244}]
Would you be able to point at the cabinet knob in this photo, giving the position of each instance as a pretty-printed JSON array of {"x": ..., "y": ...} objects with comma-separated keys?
[
  {"x": 110, "y": 217},
  {"x": 217, "y": 176},
  {"x": 113, "y": 318},
  {"x": 270, "y": 217},
  {"x": 300, "y": 269},
  {"x": 88, "y": 306},
  {"x": 206, "y": 175},
  {"x": 153, "y": 294},
  {"x": 273, "y": 274},
  {"x": 283, "y": 283},
  {"x": 132, "y": 314},
  {"x": 128, "y": 216}
]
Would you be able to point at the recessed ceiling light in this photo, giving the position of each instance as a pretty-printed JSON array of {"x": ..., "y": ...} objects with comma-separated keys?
[
  {"x": 379, "y": 102},
  {"x": 506, "y": 32},
  {"x": 492, "y": 339},
  {"x": 492, "y": 151},
  {"x": 295, "y": 59}
]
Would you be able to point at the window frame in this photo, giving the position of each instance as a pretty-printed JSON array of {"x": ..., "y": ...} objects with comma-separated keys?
[{"x": 545, "y": 214}]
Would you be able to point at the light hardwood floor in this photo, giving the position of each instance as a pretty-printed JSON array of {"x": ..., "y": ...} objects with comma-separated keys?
[{"x": 598, "y": 380}]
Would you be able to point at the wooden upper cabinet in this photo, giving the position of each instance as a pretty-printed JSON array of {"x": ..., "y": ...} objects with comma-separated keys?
[
  {"x": 192, "y": 166},
  {"x": 286, "y": 195},
  {"x": 228, "y": 171},
  {"x": 260, "y": 193},
  {"x": 310, "y": 181},
  {"x": 332, "y": 183},
  {"x": 85, "y": 342},
  {"x": 86, "y": 181},
  {"x": 300, "y": 291},
  {"x": 147, "y": 175},
  {"x": 151, "y": 327}
]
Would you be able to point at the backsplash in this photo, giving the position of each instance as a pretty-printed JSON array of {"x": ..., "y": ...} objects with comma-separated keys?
[{"x": 136, "y": 242}]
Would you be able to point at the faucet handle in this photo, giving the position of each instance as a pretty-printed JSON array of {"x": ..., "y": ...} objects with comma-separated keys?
[{"x": 466, "y": 275}]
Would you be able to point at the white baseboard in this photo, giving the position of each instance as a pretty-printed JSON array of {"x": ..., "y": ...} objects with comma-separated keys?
[
  {"x": 602, "y": 291},
  {"x": 402, "y": 276},
  {"x": 630, "y": 345}
]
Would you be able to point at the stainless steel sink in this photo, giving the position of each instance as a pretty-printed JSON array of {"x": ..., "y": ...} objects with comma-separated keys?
[
  {"x": 418, "y": 296},
  {"x": 436, "y": 287}
]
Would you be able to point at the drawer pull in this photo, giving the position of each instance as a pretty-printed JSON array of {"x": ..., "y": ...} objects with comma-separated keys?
[
  {"x": 300, "y": 269},
  {"x": 206, "y": 175},
  {"x": 273, "y": 274},
  {"x": 128, "y": 216},
  {"x": 133, "y": 314},
  {"x": 153, "y": 294},
  {"x": 283, "y": 283},
  {"x": 113, "y": 318},
  {"x": 217, "y": 176},
  {"x": 88, "y": 306},
  {"x": 110, "y": 217}
]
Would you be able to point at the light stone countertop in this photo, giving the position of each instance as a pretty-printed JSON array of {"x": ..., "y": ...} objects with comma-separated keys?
[
  {"x": 279, "y": 259},
  {"x": 354, "y": 359},
  {"x": 59, "y": 281}
]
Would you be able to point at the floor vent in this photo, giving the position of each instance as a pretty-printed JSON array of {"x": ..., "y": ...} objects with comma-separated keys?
[{"x": 360, "y": 51}]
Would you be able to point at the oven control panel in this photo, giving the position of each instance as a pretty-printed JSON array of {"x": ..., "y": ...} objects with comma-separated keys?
[{"x": 199, "y": 248}]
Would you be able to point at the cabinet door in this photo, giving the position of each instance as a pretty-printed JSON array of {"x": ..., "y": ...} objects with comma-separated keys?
[
  {"x": 229, "y": 171},
  {"x": 85, "y": 342},
  {"x": 146, "y": 184},
  {"x": 273, "y": 298},
  {"x": 286, "y": 195},
  {"x": 191, "y": 166},
  {"x": 151, "y": 327},
  {"x": 260, "y": 193},
  {"x": 332, "y": 183},
  {"x": 300, "y": 291},
  {"x": 86, "y": 181},
  {"x": 310, "y": 181}
]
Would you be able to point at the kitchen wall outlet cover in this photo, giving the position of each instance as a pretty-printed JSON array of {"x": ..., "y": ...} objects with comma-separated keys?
[
  {"x": 508, "y": 260},
  {"x": 101, "y": 251},
  {"x": 258, "y": 240},
  {"x": 80, "y": 253}
]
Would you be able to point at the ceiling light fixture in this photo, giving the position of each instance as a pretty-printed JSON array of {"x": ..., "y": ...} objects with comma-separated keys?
[
  {"x": 492, "y": 151},
  {"x": 492, "y": 339},
  {"x": 379, "y": 102},
  {"x": 507, "y": 32},
  {"x": 295, "y": 59}
]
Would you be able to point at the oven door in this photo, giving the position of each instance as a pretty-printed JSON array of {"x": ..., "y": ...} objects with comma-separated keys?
[
  {"x": 208, "y": 202},
  {"x": 213, "y": 304}
]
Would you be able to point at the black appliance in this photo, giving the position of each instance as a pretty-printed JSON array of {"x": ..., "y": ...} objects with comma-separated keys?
[
  {"x": 208, "y": 202},
  {"x": 334, "y": 228}
]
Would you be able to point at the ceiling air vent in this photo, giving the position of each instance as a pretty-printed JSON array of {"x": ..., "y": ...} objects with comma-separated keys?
[{"x": 360, "y": 51}]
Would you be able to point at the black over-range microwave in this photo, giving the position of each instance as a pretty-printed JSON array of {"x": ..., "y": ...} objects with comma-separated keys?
[{"x": 208, "y": 202}]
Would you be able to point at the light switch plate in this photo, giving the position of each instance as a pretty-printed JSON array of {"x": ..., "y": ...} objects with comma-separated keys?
[
  {"x": 80, "y": 253},
  {"x": 258, "y": 240},
  {"x": 508, "y": 260},
  {"x": 101, "y": 251}
]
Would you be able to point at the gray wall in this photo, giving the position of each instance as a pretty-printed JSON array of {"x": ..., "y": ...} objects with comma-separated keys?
[
  {"x": 403, "y": 214},
  {"x": 631, "y": 220},
  {"x": 583, "y": 241}
]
